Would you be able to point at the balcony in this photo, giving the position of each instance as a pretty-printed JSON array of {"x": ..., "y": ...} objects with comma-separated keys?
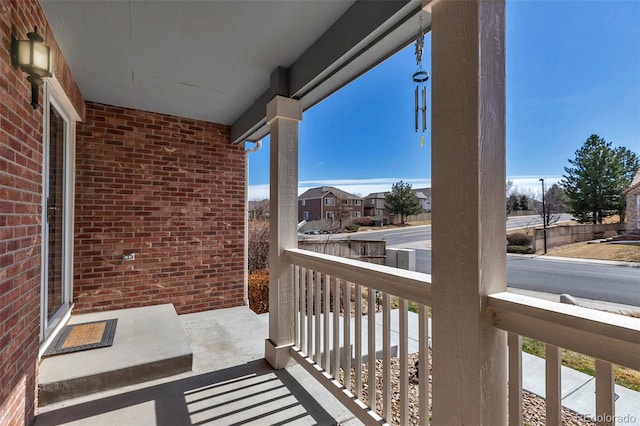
[
  {"x": 232, "y": 384},
  {"x": 475, "y": 362}
]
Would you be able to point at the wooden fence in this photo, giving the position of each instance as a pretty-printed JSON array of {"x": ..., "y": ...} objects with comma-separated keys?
[{"x": 367, "y": 251}]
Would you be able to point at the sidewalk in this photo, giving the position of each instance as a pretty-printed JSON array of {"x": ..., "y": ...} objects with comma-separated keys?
[
  {"x": 585, "y": 303},
  {"x": 578, "y": 390},
  {"x": 545, "y": 257}
]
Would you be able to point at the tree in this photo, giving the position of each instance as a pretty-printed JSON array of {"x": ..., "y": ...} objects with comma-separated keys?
[
  {"x": 402, "y": 200},
  {"x": 513, "y": 203},
  {"x": 518, "y": 199},
  {"x": 507, "y": 192},
  {"x": 343, "y": 209},
  {"x": 629, "y": 162},
  {"x": 258, "y": 244},
  {"x": 596, "y": 178},
  {"x": 555, "y": 202}
]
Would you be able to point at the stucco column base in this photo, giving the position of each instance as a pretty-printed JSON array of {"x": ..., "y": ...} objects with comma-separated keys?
[{"x": 277, "y": 356}]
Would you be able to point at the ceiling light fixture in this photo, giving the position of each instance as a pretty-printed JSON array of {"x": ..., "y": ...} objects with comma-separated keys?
[{"x": 34, "y": 58}]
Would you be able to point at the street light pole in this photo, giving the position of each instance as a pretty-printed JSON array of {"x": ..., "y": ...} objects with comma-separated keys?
[{"x": 544, "y": 218}]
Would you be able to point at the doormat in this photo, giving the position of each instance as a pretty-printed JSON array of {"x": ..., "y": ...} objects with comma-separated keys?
[{"x": 82, "y": 337}]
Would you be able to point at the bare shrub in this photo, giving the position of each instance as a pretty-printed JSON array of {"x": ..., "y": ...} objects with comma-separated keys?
[
  {"x": 519, "y": 239},
  {"x": 259, "y": 292},
  {"x": 363, "y": 221},
  {"x": 258, "y": 256}
]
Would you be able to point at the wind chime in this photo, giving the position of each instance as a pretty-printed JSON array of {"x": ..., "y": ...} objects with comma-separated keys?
[{"x": 420, "y": 78}]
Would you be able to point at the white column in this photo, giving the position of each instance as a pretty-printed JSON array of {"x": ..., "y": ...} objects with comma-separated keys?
[
  {"x": 468, "y": 179},
  {"x": 283, "y": 115}
]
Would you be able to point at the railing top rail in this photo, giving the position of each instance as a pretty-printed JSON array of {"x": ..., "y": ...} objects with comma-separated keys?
[
  {"x": 603, "y": 335},
  {"x": 411, "y": 285}
]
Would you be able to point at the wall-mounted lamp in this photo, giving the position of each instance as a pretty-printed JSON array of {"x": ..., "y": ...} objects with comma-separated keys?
[{"x": 34, "y": 58}]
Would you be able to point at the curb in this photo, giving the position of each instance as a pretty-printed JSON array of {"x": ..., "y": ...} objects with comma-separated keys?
[{"x": 580, "y": 260}]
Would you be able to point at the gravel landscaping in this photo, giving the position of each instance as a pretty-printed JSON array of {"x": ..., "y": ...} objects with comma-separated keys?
[{"x": 533, "y": 409}]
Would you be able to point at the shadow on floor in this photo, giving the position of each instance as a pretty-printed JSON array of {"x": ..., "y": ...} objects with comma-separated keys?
[{"x": 252, "y": 393}]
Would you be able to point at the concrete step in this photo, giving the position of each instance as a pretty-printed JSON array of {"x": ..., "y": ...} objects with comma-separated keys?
[{"x": 149, "y": 343}]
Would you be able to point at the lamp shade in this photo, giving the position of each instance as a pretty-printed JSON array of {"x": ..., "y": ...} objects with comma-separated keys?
[{"x": 33, "y": 57}]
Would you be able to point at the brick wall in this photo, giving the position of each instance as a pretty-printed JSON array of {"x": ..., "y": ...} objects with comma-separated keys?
[
  {"x": 20, "y": 213},
  {"x": 313, "y": 206},
  {"x": 170, "y": 190}
]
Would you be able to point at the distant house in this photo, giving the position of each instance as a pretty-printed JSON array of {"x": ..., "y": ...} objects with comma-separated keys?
[
  {"x": 374, "y": 205},
  {"x": 633, "y": 204},
  {"x": 424, "y": 195},
  {"x": 374, "y": 202},
  {"x": 328, "y": 202}
]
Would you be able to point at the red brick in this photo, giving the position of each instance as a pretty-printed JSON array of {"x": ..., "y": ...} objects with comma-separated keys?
[
  {"x": 21, "y": 187},
  {"x": 170, "y": 190}
]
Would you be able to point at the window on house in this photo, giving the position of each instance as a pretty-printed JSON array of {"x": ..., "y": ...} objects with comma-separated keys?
[
  {"x": 330, "y": 215},
  {"x": 356, "y": 214},
  {"x": 346, "y": 202},
  {"x": 303, "y": 202},
  {"x": 357, "y": 202},
  {"x": 329, "y": 201},
  {"x": 305, "y": 215},
  {"x": 378, "y": 212}
]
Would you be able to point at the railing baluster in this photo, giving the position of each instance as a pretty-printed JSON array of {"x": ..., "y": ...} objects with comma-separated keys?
[
  {"x": 404, "y": 361},
  {"x": 358, "y": 341},
  {"x": 515, "y": 379},
  {"x": 318, "y": 336},
  {"x": 386, "y": 357},
  {"x": 371, "y": 341},
  {"x": 553, "y": 391},
  {"x": 346, "y": 354},
  {"x": 335, "y": 362},
  {"x": 309, "y": 313},
  {"x": 303, "y": 309},
  {"x": 605, "y": 396},
  {"x": 518, "y": 315},
  {"x": 423, "y": 365},
  {"x": 296, "y": 305},
  {"x": 326, "y": 314}
]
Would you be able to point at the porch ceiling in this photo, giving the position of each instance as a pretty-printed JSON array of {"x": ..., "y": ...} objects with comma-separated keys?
[{"x": 215, "y": 60}]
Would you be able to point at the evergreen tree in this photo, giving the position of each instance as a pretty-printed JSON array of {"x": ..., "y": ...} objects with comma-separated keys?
[
  {"x": 513, "y": 203},
  {"x": 596, "y": 179},
  {"x": 402, "y": 200}
]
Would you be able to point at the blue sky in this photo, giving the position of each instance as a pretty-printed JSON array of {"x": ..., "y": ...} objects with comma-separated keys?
[{"x": 573, "y": 69}]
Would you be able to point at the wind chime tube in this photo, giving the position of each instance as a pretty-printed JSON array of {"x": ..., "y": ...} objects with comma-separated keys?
[
  {"x": 417, "y": 106},
  {"x": 424, "y": 108}
]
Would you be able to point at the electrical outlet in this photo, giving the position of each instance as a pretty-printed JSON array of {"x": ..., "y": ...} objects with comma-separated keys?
[{"x": 129, "y": 256}]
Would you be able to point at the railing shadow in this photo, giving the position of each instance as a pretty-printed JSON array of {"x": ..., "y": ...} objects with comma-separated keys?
[{"x": 239, "y": 395}]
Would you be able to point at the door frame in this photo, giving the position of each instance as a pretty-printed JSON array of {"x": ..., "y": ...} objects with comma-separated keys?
[{"x": 55, "y": 96}]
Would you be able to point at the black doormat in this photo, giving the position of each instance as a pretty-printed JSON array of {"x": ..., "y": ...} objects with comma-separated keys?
[{"x": 82, "y": 337}]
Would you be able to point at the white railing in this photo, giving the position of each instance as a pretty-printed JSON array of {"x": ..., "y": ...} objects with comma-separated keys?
[
  {"x": 330, "y": 348},
  {"x": 609, "y": 338}
]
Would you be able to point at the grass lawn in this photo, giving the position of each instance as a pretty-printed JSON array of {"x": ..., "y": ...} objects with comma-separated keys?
[
  {"x": 623, "y": 376},
  {"x": 621, "y": 252}
]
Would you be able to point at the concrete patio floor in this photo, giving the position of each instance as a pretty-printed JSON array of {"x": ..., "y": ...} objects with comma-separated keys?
[{"x": 230, "y": 384}]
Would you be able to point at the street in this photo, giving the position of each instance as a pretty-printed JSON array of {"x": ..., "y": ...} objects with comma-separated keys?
[
  {"x": 596, "y": 281},
  {"x": 608, "y": 283}
]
